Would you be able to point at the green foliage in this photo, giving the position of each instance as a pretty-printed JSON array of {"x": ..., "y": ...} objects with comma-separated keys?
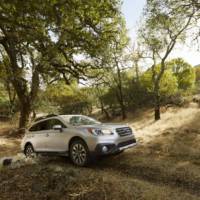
[
  {"x": 53, "y": 39},
  {"x": 163, "y": 27},
  {"x": 178, "y": 79},
  {"x": 197, "y": 81},
  {"x": 168, "y": 83},
  {"x": 4, "y": 101},
  {"x": 135, "y": 94},
  {"x": 66, "y": 99},
  {"x": 59, "y": 43},
  {"x": 197, "y": 72},
  {"x": 3, "y": 93},
  {"x": 184, "y": 72},
  {"x": 60, "y": 31}
]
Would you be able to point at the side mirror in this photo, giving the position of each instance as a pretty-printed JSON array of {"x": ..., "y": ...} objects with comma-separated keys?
[{"x": 57, "y": 127}]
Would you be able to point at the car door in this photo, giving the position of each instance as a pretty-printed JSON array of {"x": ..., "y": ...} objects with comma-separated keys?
[
  {"x": 39, "y": 136},
  {"x": 57, "y": 141}
]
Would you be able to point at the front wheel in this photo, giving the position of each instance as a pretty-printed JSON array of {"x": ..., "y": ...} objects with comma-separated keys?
[{"x": 79, "y": 153}]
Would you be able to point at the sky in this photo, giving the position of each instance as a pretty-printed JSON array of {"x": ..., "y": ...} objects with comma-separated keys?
[{"x": 132, "y": 11}]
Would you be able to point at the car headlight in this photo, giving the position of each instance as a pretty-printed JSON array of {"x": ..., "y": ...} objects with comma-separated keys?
[{"x": 98, "y": 132}]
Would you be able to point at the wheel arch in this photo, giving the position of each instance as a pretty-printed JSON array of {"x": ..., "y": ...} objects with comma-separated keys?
[
  {"x": 26, "y": 144},
  {"x": 74, "y": 139}
]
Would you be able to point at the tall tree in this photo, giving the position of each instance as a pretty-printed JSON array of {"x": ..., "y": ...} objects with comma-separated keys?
[
  {"x": 118, "y": 61},
  {"x": 48, "y": 37},
  {"x": 162, "y": 29}
]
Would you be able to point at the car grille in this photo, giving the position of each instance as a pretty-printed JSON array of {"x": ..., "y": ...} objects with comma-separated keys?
[
  {"x": 124, "y": 131},
  {"x": 122, "y": 144}
]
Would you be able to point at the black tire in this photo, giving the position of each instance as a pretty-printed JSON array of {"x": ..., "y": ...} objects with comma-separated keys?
[
  {"x": 29, "y": 151},
  {"x": 79, "y": 153}
]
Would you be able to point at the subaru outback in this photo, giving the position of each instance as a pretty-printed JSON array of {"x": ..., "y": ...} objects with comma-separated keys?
[{"x": 77, "y": 136}]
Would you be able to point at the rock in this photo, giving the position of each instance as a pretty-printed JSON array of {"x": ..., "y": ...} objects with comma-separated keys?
[
  {"x": 6, "y": 161},
  {"x": 16, "y": 161}
]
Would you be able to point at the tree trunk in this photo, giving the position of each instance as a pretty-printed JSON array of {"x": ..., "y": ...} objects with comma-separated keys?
[
  {"x": 137, "y": 73},
  {"x": 120, "y": 95},
  {"x": 103, "y": 110},
  {"x": 25, "y": 93},
  {"x": 157, "y": 104},
  {"x": 157, "y": 109},
  {"x": 120, "y": 99},
  {"x": 123, "y": 110},
  {"x": 25, "y": 111}
]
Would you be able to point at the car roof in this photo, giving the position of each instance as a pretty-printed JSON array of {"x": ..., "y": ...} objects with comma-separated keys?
[{"x": 64, "y": 117}]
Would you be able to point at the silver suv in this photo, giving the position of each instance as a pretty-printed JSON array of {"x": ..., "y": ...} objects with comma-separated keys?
[{"x": 78, "y": 136}]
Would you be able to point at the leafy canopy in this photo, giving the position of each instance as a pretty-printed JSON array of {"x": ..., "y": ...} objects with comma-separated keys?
[{"x": 184, "y": 73}]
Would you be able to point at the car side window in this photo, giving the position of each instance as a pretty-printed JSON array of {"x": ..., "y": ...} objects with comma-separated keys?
[
  {"x": 79, "y": 120},
  {"x": 41, "y": 126},
  {"x": 84, "y": 120},
  {"x": 53, "y": 122},
  {"x": 34, "y": 128},
  {"x": 46, "y": 125},
  {"x": 75, "y": 120}
]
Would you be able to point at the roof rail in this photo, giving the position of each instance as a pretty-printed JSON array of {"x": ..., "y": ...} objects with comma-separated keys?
[
  {"x": 51, "y": 115},
  {"x": 44, "y": 117}
]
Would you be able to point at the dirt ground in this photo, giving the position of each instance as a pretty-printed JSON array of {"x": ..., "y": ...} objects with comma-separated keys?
[
  {"x": 165, "y": 165},
  {"x": 9, "y": 143}
]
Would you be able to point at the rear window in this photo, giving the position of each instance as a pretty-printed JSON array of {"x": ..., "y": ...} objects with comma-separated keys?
[
  {"x": 39, "y": 127},
  {"x": 34, "y": 128}
]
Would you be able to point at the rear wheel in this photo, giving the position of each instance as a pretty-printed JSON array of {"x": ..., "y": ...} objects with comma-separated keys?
[
  {"x": 79, "y": 153},
  {"x": 29, "y": 151}
]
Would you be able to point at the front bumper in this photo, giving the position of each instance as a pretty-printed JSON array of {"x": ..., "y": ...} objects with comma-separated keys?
[{"x": 110, "y": 148}]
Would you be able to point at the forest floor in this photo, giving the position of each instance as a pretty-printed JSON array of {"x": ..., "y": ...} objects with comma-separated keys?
[{"x": 165, "y": 165}]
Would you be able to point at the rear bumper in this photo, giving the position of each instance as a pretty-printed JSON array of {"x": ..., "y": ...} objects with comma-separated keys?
[{"x": 110, "y": 148}]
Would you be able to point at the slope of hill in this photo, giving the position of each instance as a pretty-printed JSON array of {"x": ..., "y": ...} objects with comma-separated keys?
[{"x": 164, "y": 165}]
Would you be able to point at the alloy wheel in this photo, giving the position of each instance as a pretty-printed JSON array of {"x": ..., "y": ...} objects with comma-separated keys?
[
  {"x": 79, "y": 154},
  {"x": 29, "y": 152}
]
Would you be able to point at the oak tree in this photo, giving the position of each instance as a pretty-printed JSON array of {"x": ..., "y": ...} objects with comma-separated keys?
[{"x": 58, "y": 38}]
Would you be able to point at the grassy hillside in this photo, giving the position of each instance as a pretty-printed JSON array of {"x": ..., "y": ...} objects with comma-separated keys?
[{"x": 164, "y": 165}]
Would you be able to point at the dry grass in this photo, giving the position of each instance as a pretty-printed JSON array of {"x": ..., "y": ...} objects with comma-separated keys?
[
  {"x": 172, "y": 119},
  {"x": 8, "y": 145},
  {"x": 60, "y": 180},
  {"x": 165, "y": 165}
]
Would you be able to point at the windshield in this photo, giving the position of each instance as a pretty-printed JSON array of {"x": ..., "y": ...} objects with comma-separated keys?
[{"x": 79, "y": 120}]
